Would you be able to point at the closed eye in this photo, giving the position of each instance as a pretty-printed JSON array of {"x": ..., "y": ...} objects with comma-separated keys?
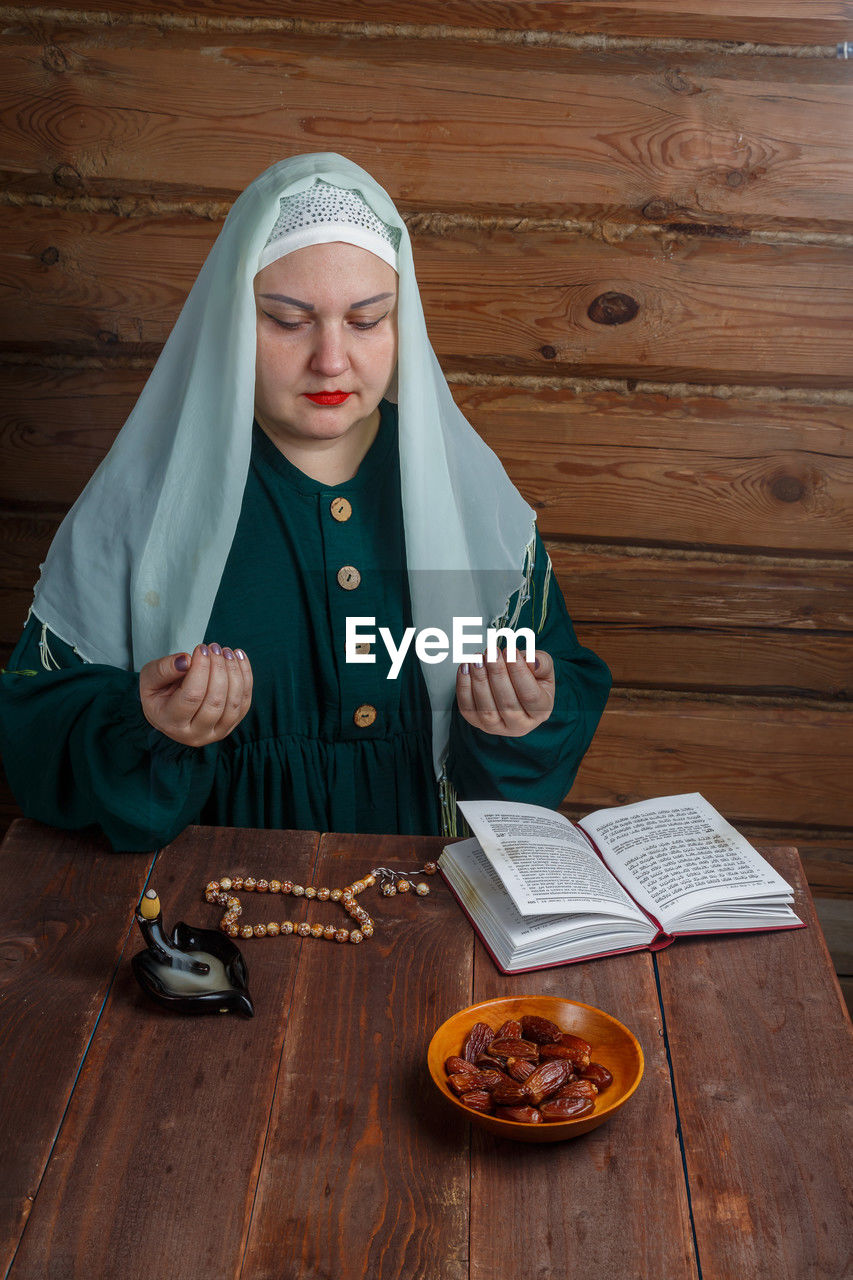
[
  {"x": 368, "y": 324},
  {"x": 284, "y": 324},
  {"x": 292, "y": 325}
]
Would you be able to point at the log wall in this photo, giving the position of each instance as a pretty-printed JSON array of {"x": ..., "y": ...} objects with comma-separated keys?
[{"x": 631, "y": 224}]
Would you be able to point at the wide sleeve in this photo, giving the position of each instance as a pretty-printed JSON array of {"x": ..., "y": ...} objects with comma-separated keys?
[
  {"x": 79, "y": 752},
  {"x": 540, "y": 767}
]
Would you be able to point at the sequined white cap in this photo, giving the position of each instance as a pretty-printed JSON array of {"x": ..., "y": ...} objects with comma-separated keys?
[{"x": 324, "y": 213}]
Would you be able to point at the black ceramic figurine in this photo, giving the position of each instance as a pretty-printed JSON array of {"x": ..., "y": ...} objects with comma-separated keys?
[{"x": 194, "y": 970}]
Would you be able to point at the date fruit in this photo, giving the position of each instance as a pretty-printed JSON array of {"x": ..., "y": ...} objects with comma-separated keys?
[
  {"x": 514, "y": 1049},
  {"x": 520, "y": 1068},
  {"x": 463, "y": 1081},
  {"x": 485, "y": 1061},
  {"x": 455, "y": 1064},
  {"x": 546, "y": 1079},
  {"x": 540, "y": 1030},
  {"x": 565, "y": 1108},
  {"x": 528, "y": 1071},
  {"x": 548, "y": 1052},
  {"x": 488, "y": 1078},
  {"x": 599, "y": 1075},
  {"x": 477, "y": 1041},
  {"x": 521, "y": 1115},
  {"x": 579, "y": 1051},
  {"x": 578, "y": 1089},
  {"x": 478, "y": 1100},
  {"x": 510, "y": 1094}
]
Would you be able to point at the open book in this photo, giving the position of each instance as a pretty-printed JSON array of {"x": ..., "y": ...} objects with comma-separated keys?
[{"x": 541, "y": 890}]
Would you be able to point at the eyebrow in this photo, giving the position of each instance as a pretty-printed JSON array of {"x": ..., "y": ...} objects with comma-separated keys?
[
  {"x": 309, "y": 306},
  {"x": 380, "y": 297}
]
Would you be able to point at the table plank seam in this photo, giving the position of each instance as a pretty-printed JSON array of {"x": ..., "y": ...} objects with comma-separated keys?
[
  {"x": 678, "y": 1128},
  {"x": 471, "y": 997},
  {"x": 277, "y": 1076},
  {"x": 80, "y": 1066},
  {"x": 470, "y": 1193},
  {"x": 771, "y": 1194}
]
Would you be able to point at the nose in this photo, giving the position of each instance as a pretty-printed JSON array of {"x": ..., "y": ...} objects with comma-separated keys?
[{"x": 329, "y": 356}]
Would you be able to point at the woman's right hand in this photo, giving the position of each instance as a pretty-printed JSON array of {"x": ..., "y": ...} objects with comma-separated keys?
[{"x": 197, "y": 700}]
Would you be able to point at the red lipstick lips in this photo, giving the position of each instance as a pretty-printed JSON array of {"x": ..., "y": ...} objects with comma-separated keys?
[{"x": 327, "y": 397}]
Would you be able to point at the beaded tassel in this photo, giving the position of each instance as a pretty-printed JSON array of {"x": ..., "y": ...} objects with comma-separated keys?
[{"x": 224, "y": 893}]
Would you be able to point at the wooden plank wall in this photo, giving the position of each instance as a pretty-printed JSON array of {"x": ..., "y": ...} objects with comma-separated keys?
[{"x": 632, "y": 228}]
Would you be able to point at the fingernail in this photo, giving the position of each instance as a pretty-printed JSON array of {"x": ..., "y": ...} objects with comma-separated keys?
[
  {"x": 226, "y": 653},
  {"x": 240, "y": 654},
  {"x": 204, "y": 650},
  {"x": 214, "y": 648},
  {"x": 536, "y": 665},
  {"x": 182, "y": 662},
  {"x": 464, "y": 668},
  {"x": 478, "y": 661}
]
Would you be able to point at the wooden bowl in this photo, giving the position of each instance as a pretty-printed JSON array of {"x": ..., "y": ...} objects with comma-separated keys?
[{"x": 613, "y": 1045}]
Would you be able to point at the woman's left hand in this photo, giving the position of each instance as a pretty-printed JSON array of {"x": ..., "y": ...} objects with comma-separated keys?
[{"x": 506, "y": 698}]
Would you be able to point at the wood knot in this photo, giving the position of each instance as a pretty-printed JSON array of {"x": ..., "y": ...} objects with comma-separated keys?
[
  {"x": 106, "y": 336},
  {"x": 613, "y": 308},
  {"x": 548, "y": 353},
  {"x": 658, "y": 209},
  {"x": 65, "y": 175},
  {"x": 53, "y": 59},
  {"x": 734, "y": 178},
  {"x": 675, "y": 80},
  {"x": 787, "y": 489},
  {"x": 50, "y": 255}
]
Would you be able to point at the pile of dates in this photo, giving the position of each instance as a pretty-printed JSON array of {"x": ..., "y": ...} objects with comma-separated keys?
[{"x": 528, "y": 1071}]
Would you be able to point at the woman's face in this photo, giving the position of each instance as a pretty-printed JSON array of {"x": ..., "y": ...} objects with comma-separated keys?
[{"x": 327, "y": 341}]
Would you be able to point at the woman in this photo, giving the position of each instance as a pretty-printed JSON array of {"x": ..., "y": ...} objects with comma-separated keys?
[{"x": 185, "y": 659}]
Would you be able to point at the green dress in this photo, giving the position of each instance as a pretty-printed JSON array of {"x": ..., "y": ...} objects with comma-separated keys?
[{"x": 326, "y": 745}]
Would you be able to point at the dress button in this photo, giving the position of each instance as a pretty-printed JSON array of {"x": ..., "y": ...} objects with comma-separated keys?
[
  {"x": 341, "y": 509},
  {"x": 348, "y": 577},
  {"x": 364, "y": 715}
]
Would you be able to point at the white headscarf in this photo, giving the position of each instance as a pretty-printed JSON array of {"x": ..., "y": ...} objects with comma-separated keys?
[{"x": 134, "y": 568}]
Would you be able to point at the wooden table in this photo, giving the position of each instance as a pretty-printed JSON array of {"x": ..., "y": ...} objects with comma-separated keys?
[{"x": 309, "y": 1142}]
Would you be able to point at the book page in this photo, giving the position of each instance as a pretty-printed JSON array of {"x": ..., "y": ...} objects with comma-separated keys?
[
  {"x": 484, "y": 891},
  {"x": 676, "y": 852},
  {"x": 519, "y": 942},
  {"x": 546, "y": 865}
]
